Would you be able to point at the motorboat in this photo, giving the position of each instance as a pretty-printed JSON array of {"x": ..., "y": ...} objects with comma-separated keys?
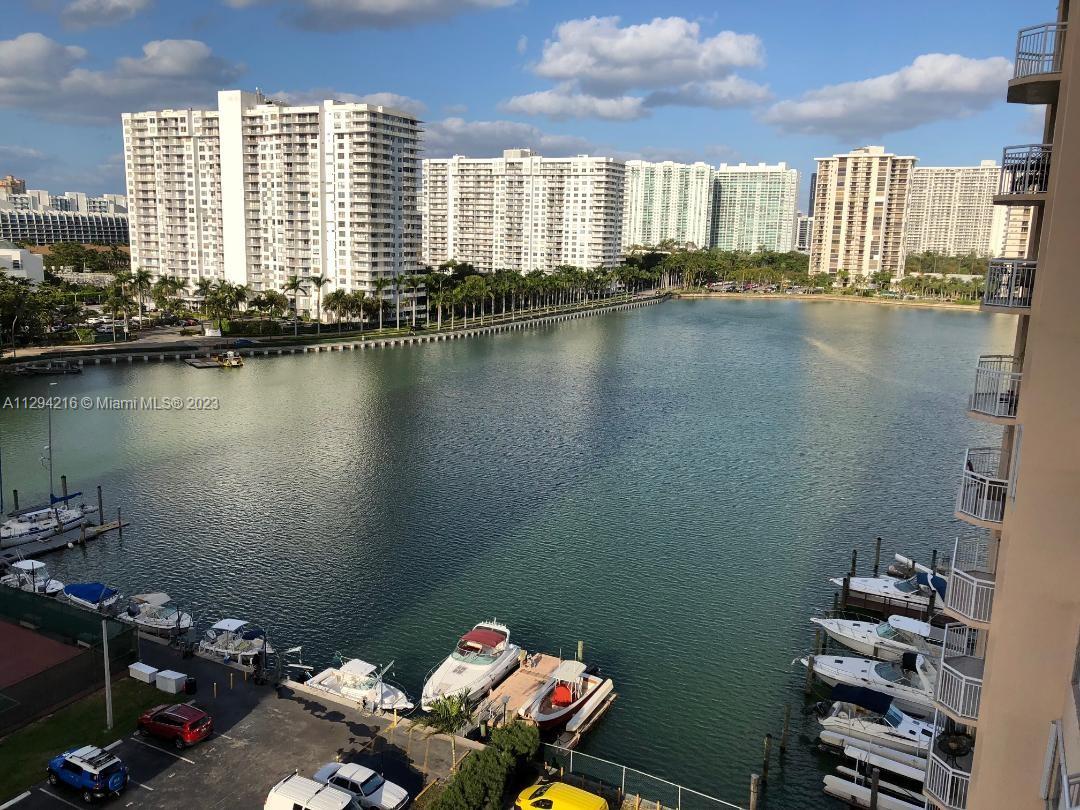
[
  {"x": 91, "y": 595},
  {"x": 236, "y": 640},
  {"x": 363, "y": 682},
  {"x": 568, "y": 689},
  {"x": 909, "y": 682},
  {"x": 868, "y": 716},
  {"x": 152, "y": 613},
  {"x": 229, "y": 359},
  {"x": 914, "y": 592},
  {"x": 58, "y": 366},
  {"x": 857, "y": 794},
  {"x": 36, "y": 524},
  {"x": 32, "y": 576},
  {"x": 481, "y": 658},
  {"x": 886, "y": 640}
]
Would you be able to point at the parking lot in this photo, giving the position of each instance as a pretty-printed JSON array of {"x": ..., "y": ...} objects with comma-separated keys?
[{"x": 261, "y": 734}]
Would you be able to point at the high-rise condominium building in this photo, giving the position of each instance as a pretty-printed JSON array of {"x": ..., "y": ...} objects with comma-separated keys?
[
  {"x": 803, "y": 224},
  {"x": 523, "y": 212},
  {"x": 951, "y": 210},
  {"x": 1008, "y": 692},
  {"x": 1012, "y": 231},
  {"x": 12, "y": 185},
  {"x": 667, "y": 201},
  {"x": 35, "y": 199},
  {"x": 754, "y": 207},
  {"x": 860, "y": 207},
  {"x": 256, "y": 191}
]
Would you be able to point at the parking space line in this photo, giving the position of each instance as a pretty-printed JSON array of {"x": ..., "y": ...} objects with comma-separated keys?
[
  {"x": 54, "y": 796},
  {"x": 16, "y": 800},
  {"x": 113, "y": 744},
  {"x": 144, "y": 787},
  {"x": 222, "y": 734},
  {"x": 162, "y": 750}
]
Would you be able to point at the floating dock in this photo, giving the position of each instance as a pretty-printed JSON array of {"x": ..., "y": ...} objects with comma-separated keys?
[
  {"x": 202, "y": 362},
  {"x": 77, "y": 536}
]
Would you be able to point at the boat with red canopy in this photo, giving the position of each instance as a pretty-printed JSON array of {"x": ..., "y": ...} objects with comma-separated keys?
[{"x": 481, "y": 658}]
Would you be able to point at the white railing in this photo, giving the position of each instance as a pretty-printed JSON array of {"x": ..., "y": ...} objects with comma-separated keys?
[
  {"x": 1009, "y": 283},
  {"x": 997, "y": 386},
  {"x": 1039, "y": 50},
  {"x": 959, "y": 691},
  {"x": 984, "y": 488},
  {"x": 947, "y": 786}
]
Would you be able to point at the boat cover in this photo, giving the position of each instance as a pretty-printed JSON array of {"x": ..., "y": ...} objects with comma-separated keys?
[
  {"x": 29, "y": 565},
  {"x": 155, "y": 599},
  {"x": 484, "y": 637},
  {"x": 569, "y": 671},
  {"x": 936, "y": 582},
  {"x": 229, "y": 625},
  {"x": 92, "y": 592},
  {"x": 861, "y": 696},
  {"x": 357, "y": 668}
]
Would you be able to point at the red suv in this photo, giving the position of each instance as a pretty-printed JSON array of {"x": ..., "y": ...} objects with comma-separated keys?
[{"x": 183, "y": 724}]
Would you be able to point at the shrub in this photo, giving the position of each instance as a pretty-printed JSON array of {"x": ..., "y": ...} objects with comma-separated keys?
[{"x": 481, "y": 780}]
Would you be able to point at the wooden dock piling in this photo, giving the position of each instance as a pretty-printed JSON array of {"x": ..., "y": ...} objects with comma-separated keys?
[
  {"x": 765, "y": 758},
  {"x": 844, "y": 593},
  {"x": 819, "y": 642},
  {"x": 854, "y": 558},
  {"x": 808, "y": 687},
  {"x": 933, "y": 560},
  {"x": 875, "y": 775},
  {"x": 15, "y": 498},
  {"x": 877, "y": 555},
  {"x": 63, "y": 484},
  {"x": 119, "y": 525},
  {"x": 787, "y": 727},
  {"x": 755, "y": 790},
  {"x": 100, "y": 508}
]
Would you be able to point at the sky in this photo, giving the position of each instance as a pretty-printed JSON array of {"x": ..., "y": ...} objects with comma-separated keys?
[{"x": 714, "y": 80}]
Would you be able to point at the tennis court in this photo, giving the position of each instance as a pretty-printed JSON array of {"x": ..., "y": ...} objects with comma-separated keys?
[{"x": 27, "y": 653}]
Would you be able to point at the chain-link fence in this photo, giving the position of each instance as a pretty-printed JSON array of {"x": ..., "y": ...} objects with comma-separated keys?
[{"x": 625, "y": 787}]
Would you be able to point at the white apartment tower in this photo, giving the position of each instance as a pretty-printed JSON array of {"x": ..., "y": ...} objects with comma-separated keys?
[
  {"x": 667, "y": 201},
  {"x": 257, "y": 191},
  {"x": 951, "y": 210},
  {"x": 860, "y": 210},
  {"x": 523, "y": 212},
  {"x": 754, "y": 207}
]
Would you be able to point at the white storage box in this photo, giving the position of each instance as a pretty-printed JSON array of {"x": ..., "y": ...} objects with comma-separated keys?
[
  {"x": 172, "y": 682},
  {"x": 142, "y": 672}
]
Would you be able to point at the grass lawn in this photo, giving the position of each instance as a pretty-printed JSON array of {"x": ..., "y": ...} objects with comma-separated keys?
[{"x": 26, "y": 752}]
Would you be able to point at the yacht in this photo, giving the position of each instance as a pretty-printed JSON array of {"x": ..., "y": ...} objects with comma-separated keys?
[
  {"x": 32, "y": 576},
  {"x": 152, "y": 613},
  {"x": 91, "y": 595},
  {"x": 236, "y": 640},
  {"x": 913, "y": 592},
  {"x": 867, "y": 716},
  {"x": 886, "y": 640},
  {"x": 481, "y": 658},
  {"x": 362, "y": 682},
  {"x": 909, "y": 682},
  {"x": 36, "y": 524}
]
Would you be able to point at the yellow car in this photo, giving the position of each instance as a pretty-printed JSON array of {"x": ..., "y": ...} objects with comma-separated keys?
[{"x": 558, "y": 796}]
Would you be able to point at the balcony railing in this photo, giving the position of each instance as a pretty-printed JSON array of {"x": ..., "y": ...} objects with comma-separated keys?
[
  {"x": 945, "y": 784},
  {"x": 1039, "y": 50},
  {"x": 960, "y": 676},
  {"x": 1010, "y": 283},
  {"x": 997, "y": 386},
  {"x": 970, "y": 592},
  {"x": 984, "y": 487},
  {"x": 1025, "y": 170}
]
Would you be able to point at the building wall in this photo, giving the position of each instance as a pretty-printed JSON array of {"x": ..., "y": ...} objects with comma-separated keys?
[
  {"x": 523, "y": 212},
  {"x": 754, "y": 207},
  {"x": 20, "y": 263},
  {"x": 50, "y": 227},
  {"x": 803, "y": 226},
  {"x": 860, "y": 211},
  {"x": 951, "y": 210},
  {"x": 667, "y": 201}
]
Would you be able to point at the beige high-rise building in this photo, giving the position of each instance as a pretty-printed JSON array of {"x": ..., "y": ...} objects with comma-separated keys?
[
  {"x": 860, "y": 212},
  {"x": 1007, "y": 723},
  {"x": 951, "y": 210},
  {"x": 256, "y": 191},
  {"x": 523, "y": 212},
  {"x": 667, "y": 201},
  {"x": 1012, "y": 230}
]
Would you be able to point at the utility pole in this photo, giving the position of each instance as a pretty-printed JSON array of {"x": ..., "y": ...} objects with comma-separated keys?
[{"x": 108, "y": 674}]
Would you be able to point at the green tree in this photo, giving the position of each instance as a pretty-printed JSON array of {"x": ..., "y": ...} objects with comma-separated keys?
[
  {"x": 294, "y": 286},
  {"x": 318, "y": 282}
]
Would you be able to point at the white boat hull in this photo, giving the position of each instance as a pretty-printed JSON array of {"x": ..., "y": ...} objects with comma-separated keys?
[
  {"x": 41, "y": 525},
  {"x": 859, "y": 796},
  {"x": 863, "y": 638},
  {"x": 861, "y": 672},
  {"x": 454, "y": 677}
]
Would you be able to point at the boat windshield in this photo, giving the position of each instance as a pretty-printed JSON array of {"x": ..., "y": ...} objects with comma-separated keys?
[
  {"x": 474, "y": 654},
  {"x": 894, "y": 717},
  {"x": 907, "y": 585},
  {"x": 891, "y": 673},
  {"x": 886, "y": 630},
  {"x": 371, "y": 784}
]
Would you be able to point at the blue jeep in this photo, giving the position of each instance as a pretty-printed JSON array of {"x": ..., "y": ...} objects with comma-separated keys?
[{"x": 90, "y": 770}]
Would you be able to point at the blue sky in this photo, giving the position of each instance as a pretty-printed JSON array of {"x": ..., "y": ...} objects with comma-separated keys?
[{"x": 708, "y": 80}]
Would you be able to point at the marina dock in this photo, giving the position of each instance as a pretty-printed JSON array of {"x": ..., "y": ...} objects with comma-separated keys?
[{"x": 72, "y": 537}]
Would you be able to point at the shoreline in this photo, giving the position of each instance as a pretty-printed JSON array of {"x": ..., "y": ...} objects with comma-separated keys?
[{"x": 852, "y": 298}]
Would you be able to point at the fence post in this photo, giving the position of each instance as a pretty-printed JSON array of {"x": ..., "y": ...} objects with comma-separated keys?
[
  {"x": 108, "y": 675},
  {"x": 755, "y": 789}
]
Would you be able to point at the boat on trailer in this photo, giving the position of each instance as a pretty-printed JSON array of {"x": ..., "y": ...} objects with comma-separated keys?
[
  {"x": 236, "y": 640},
  {"x": 480, "y": 660},
  {"x": 91, "y": 595},
  {"x": 152, "y": 613},
  {"x": 32, "y": 576},
  {"x": 861, "y": 714},
  {"x": 887, "y": 640},
  {"x": 363, "y": 682},
  {"x": 570, "y": 687},
  {"x": 909, "y": 682}
]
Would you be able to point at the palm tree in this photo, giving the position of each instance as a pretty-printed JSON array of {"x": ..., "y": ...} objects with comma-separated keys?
[
  {"x": 294, "y": 285},
  {"x": 202, "y": 289},
  {"x": 357, "y": 302},
  {"x": 118, "y": 301},
  {"x": 380, "y": 284},
  {"x": 318, "y": 282},
  {"x": 336, "y": 302},
  {"x": 397, "y": 282},
  {"x": 447, "y": 716},
  {"x": 141, "y": 282}
]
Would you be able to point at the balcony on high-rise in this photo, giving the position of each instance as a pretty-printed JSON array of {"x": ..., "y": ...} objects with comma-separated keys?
[
  {"x": 983, "y": 489},
  {"x": 1037, "y": 72},
  {"x": 960, "y": 676},
  {"x": 948, "y": 764},
  {"x": 1010, "y": 285},
  {"x": 1025, "y": 174},
  {"x": 997, "y": 389},
  {"x": 969, "y": 595}
]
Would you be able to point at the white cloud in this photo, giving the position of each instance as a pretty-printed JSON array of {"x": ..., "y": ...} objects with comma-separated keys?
[
  {"x": 456, "y": 136},
  {"x": 730, "y": 91},
  {"x": 334, "y": 15},
  {"x": 607, "y": 59},
  {"x": 562, "y": 103},
  {"x": 43, "y": 76},
  {"x": 54, "y": 173},
  {"x": 89, "y": 13},
  {"x": 934, "y": 87},
  {"x": 522, "y": 44},
  {"x": 318, "y": 94}
]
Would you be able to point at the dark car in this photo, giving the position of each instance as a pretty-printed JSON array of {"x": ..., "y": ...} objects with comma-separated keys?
[
  {"x": 90, "y": 770},
  {"x": 183, "y": 724},
  {"x": 244, "y": 343}
]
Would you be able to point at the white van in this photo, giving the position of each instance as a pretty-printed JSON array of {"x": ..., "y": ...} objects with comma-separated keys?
[{"x": 296, "y": 792}]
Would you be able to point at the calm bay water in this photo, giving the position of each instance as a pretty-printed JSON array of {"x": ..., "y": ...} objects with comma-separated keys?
[{"x": 672, "y": 485}]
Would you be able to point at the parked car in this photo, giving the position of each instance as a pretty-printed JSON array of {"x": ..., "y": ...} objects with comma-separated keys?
[
  {"x": 245, "y": 343},
  {"x": 181, "y": 724},
  {"x": 90, "y": 770},
  {"x": 190, "y": 322},
  {"x": 370, "y": 788},
  {"x": 296, "y": 792},
  {"x": 558, "y": 796}
]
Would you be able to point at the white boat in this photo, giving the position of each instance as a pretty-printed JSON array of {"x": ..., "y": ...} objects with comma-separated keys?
[
  {"x": 913, "y": 592},
  {"x": 32, "y": 576},
  {"x": 236, "y": 640},
  {"x": 41, "y": 523},
  {"x": 482, "y": 658},
  {"x": 363, "y": 682},
  {"x": 859, "y": 795},
  {"x": 566, "y": 692},
  {"x": 152, "y": 613},
  {"x": 868, "y": 716},
  {"x": 910, "y": 682},
  {"x": 91, "y": 595},
  {"x": 886, "y": 640}
]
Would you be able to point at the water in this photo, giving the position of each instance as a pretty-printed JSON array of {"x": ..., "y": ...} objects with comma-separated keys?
[{"x": 671, "y": 485}]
